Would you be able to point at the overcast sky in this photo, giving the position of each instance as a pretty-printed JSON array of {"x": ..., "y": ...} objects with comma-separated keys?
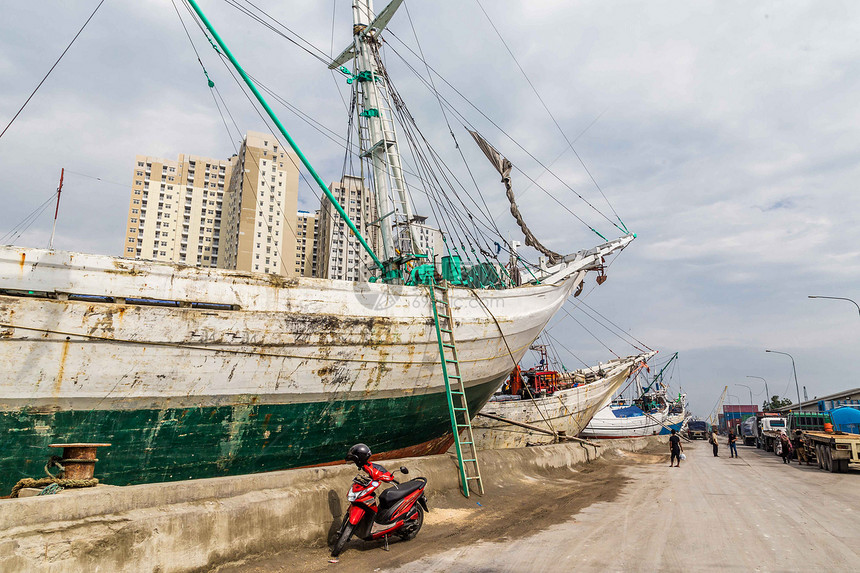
[{"x": 726, "y": 137}]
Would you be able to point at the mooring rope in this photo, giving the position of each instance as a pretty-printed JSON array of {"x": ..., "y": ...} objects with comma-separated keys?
[{"x": 46, "y": 481}]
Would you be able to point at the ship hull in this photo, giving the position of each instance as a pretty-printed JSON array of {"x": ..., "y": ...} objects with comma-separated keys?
[
  {"x": 567, "y": 411},
  {"x": 167, "y": 444},
  {"x": 202, "y": 372},
  {"x": 606, "y": 426}
]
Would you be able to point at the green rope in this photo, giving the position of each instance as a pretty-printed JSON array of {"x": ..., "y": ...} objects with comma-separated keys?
[
  {"x": 599, "y": 235},
  {"x": 528, "y": 269},
  {"x": 212, "y": 43},
  {"x": 51, "y": 489}
]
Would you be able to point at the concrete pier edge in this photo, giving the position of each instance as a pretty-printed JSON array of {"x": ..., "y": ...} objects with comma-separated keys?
[{"x": 197, "y": 524}]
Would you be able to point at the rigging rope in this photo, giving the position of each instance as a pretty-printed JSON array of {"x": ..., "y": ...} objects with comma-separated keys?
[
  {"x": 15, "y": 232},
  {"x": 11, "y": 121},
  {"x": 321, "y": 55},
  {"x": 468, "y": 124},
  {"x": 543, "y": 103}
]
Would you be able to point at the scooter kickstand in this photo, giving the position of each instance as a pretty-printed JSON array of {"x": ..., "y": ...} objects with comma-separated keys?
[{"x": 386, "y": 542}]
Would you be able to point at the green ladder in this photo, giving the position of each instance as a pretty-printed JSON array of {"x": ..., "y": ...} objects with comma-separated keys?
[{"x": 454, "y": 388}]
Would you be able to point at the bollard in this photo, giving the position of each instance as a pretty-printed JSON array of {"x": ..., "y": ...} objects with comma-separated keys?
[{"x": 79, "y": 460}]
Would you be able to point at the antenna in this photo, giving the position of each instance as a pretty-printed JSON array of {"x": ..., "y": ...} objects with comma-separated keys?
[{"x": 57, "y": 210}]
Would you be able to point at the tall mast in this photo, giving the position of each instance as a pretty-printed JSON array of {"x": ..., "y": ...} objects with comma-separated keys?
[
  {"x": 389, "y": 188},
  {"x": 57, "y": 209}
]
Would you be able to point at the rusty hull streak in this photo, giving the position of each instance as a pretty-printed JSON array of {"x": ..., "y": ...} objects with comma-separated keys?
[
  {"x": 59, "y": 381},
  {"x": 429, "y": 448}
]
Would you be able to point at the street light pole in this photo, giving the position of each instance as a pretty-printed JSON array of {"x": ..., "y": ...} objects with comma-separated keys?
[
  {"x": 748, "y": 388},
  {"x": 838, "y": 298},
  {"x": 794, "y": 369},
  {"x": 766, "y": 391}
]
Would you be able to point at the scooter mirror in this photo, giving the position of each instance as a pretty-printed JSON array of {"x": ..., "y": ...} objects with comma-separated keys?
[{"x": 403, "y": 470}]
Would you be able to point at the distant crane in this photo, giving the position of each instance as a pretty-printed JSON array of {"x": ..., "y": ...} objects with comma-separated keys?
[{"x": 715, "y": 418}]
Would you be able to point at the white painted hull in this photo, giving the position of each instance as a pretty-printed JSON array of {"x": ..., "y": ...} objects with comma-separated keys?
[
  {"x": 566, "y": 410},
  {"x": 606, "y": 425},
  {"x": 287, "y": 341},
  {"x": 236, "y": 372}
]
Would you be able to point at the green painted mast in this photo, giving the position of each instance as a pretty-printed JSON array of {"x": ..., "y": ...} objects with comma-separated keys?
[
  {"x": 659, "y": 376},
  {"x": 286, "y": 135}
]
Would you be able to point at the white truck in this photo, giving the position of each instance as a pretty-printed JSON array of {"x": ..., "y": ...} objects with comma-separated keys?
[{"x": 769, "y": 429}]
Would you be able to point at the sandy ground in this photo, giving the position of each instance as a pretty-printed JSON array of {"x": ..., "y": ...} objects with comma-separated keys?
[
  {"x": 628, "y": 512},
  {"x": 524, "y": 505}
]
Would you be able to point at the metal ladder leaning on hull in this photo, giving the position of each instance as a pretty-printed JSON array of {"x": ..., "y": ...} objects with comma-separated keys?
[{"x": 455, "y": 389}]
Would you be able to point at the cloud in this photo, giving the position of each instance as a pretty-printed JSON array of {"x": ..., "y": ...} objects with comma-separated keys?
[
  {"x": 726, "y": 139},
  {"x": 786, "y": 203}
]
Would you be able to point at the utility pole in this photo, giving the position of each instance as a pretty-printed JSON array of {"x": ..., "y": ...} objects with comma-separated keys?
[
  {"x": 837, "y": 298},
  {"x": 766, "y": 391},
  {"x": 794, "y": 369},
  {"x": 748, "y": 388}
]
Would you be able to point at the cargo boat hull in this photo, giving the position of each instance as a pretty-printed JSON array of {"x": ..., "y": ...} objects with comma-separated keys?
[
  {"x": 567, "y": 411},
  {"x": 605, "y": 425},
  {"x": 194, "y": 373}
]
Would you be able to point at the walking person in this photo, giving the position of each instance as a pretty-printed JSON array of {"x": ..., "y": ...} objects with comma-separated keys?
[
  {"x": 799, "y": 447},
  {"x": 713, "y": 440},
  {"x": 785, "y": 447},
  {"x": 733, "y": 445},
  {"x": 675, "y": 448}
]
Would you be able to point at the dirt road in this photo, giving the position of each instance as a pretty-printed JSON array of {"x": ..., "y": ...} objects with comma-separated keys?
[{"x": 628, "y": 512}]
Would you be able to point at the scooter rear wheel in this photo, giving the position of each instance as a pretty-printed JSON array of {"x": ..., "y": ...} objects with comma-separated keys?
[
  {"x": 414, "y": 527},
  {"x": 343, "y": 539}
]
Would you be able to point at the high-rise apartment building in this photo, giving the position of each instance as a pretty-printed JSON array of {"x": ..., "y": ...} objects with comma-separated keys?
[
  {"x": 340, "y": 255},
  {"x": 430, "y": 240},
  {"x": 307, "y": 229},
  {"x": 259, "y": 225},
  {"x": 174, "y": 213},
  {"x": 237, "y": 213}
]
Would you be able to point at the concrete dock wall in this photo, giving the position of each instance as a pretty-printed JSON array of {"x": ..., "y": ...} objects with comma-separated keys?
[{"x": 194, "y": 525}]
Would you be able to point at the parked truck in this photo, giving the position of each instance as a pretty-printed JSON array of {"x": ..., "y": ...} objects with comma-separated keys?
[
  {"x": 748, "y": 431},
  {"x": 697, "y": 430},
  {"x": 832, "y": 450},
  {"x": 769, "y": 428}
]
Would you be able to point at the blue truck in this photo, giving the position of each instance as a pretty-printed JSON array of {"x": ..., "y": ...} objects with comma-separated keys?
[{"x": 698, "y": 430}]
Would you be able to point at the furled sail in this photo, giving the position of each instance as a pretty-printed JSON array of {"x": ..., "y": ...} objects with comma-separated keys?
[{"x": 503, "y": 166}]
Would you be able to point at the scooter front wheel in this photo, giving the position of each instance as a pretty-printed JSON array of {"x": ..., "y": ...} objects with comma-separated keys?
[
  {"x": 410, "y": 530},
  {"x": 343, "y": 539}
]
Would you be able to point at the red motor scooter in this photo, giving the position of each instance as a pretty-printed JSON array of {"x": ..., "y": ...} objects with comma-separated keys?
[{"x": 400, "y": 510}]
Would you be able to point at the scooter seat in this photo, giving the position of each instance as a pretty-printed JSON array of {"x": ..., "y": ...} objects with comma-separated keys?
[{"x": 394, "y": 494}]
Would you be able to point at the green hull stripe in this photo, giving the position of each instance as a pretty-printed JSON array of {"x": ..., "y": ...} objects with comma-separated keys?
[{"x": 189, "y": 443}]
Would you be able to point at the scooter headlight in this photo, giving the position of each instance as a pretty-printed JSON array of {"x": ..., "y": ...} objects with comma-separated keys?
[{"x": 354, "y": 495}]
